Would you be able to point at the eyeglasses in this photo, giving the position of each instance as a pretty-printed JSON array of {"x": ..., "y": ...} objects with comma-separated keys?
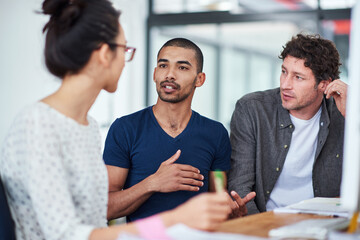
[{"x": 129, "y": 51}]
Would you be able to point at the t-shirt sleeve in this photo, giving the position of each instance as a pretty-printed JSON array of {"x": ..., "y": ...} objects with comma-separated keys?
[
  {"x": 117, "y": 147},
  {"x": 223, "y": 151}
]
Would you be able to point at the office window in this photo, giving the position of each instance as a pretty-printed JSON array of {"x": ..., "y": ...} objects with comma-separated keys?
[
  {"x": 241, "y": 45},
  {"x": 238, "y": 58},
  {"x": 179, "y": 6},
  {"x": 238, "y": 6},
  {"x": 336, "y": 4}
]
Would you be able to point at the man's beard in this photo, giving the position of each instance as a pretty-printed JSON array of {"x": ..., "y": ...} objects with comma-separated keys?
[{"x": 177, "y": 98}]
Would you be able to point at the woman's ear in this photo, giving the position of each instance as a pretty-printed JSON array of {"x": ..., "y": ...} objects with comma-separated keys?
[{"x": 105, "y": 55}]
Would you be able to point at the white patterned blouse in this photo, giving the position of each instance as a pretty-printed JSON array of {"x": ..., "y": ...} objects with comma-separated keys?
[{"x": 54, "y": 175}]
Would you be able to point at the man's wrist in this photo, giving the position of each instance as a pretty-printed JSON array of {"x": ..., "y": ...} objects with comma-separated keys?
[{"x": 150, "y": 184}]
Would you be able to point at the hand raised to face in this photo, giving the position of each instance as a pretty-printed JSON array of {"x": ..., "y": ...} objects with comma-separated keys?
[{"x": 338, "y": 90}]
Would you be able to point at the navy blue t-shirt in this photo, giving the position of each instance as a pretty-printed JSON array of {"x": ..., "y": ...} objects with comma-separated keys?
[{"x": 138, "y": 143}]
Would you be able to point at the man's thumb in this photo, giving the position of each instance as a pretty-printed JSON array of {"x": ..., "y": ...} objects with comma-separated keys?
[{"x": 173, "y": 158}]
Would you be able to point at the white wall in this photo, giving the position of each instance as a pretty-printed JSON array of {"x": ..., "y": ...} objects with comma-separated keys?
[{"x": 24, "y": 78}]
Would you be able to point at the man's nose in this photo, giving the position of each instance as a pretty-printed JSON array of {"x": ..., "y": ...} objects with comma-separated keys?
[
  {"x": 286, "y": 82},
  {"x": 170, "y": 74}
]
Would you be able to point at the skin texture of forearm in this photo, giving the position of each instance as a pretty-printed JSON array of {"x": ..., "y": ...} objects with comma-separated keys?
[
  {"x": 169, "y": 218},
  {"x": 205, "y": 212},
  {"x": 124, "y": 202},
  {"x": 112, "y": 233}
]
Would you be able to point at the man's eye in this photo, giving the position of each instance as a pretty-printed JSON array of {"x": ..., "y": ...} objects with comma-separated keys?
[{"x": 183, "y": 68}]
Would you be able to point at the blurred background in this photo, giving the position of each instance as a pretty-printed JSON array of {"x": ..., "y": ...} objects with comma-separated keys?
[{"x": 240, "y": 39}]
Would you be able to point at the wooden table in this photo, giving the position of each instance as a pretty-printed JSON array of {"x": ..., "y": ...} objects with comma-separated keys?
[{"x": 260, "y": 224}]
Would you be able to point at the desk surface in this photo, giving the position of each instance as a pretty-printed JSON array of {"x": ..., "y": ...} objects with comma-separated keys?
[{"x": 260, "y": 224}]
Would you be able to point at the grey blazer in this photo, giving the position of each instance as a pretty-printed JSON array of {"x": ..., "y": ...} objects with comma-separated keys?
[{"x": 260, "y": 137}]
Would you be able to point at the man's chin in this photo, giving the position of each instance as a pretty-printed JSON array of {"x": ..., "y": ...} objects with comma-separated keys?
[
  {"x": 170, "y": 100},
  {"x": 173, "y": 98},
  {"x": 288, "y": 107}
]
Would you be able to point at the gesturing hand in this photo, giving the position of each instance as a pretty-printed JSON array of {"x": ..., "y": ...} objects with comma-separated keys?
[
  {"x": 338, "y": 90},
  {"x": 171, "y": 177},
  {"x": 238, "y": 205}
]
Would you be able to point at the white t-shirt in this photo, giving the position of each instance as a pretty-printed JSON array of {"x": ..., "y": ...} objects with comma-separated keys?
[
  {"x": 54, "y": 175},
  {"x": 295, "y": 181}
]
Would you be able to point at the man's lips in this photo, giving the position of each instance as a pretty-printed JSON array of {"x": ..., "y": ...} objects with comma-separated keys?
[
  {"x": 169, "y": 86},
  {"x": 287, "y": 96}
]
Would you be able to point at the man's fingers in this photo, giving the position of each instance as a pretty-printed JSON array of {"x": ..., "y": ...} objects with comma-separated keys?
[
  {"x": 183, "y": 167},
  {"x": 237, "y": 198},
  {"x": 190, "y": 188},
  {"x": 241, "y": 210},
  {"x": 191, "y": 175},
  {"x": 243, "y": 201},
  {"x": 189, "y": 181},
  {"x": 188, "y": 168},
  {"x": 234, "y": 206},
  {"x": 173, "y": 158},
  {"x": 335, "y": 88},
  {"x": 249, "y": 197}
]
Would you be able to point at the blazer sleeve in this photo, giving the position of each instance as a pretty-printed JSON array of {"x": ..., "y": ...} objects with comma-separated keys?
[{"x": 241, "y": 177}]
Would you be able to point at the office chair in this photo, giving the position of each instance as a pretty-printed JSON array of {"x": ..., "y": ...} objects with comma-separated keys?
[{"x": 7, "y": 229}]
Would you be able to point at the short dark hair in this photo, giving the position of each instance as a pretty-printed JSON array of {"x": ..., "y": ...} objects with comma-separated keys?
[
  {"x": 186, "y": 43},
  {"x": 75, "y": 29},
  {"x": 320, "y": 55}
]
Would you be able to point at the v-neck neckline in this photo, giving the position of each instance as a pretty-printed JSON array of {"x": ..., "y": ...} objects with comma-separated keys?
[{"x": 188, "y": 126}]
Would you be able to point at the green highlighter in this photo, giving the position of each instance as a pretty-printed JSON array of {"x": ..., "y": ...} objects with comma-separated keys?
[{"x": 219, "y": 181}]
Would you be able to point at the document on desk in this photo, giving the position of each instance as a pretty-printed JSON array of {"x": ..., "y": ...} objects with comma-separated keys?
[
  {"x": 318, "y": 205},
  {"x": 181, "y": 232},
  {"x": 312, "y": 228}
]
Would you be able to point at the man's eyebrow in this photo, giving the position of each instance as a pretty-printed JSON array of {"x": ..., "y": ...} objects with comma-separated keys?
[
  {"x": 299, "y": 73},
  {"x": 178, "y": 62},
  {"x": 184, "y": 62},
  {"x": 296, "y": 73},
  {"x": 163, "y": 60}
]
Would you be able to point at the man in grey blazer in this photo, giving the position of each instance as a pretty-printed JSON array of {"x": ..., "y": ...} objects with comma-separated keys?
[{"x": 287, "y": 143}]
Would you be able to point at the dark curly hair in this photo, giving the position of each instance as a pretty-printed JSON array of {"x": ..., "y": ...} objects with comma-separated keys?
[{"x": 320, "y": 55}]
